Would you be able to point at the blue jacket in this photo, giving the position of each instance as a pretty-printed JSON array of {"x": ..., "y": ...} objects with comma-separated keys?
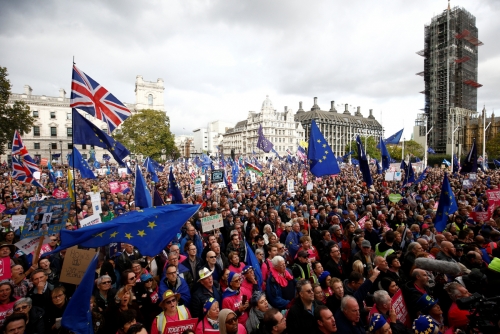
[
  {"x": 277, "y": 296},
  {"x": 345, "y": 326},
  {"x": 293, "y": 242},
  {"x": 197, "y": 242},
  {"x": 180, "y": 287}
]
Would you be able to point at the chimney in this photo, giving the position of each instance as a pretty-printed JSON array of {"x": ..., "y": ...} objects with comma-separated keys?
[
  {"x": 27, "y": 90},
  {"x": 371, "y": 114},
  {"x": 358, "y": 112},
  {"x": 346, "y": 111},
  {"x": 300, "y": 107},
  {"x": 62, "y": 93},
  {"x": 286, "y": 109},
  {"x": 332, "y": 106},
  {"x": 315, "y": 106}
]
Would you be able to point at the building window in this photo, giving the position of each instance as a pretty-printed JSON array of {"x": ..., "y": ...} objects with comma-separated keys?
[
  {"x": 36, "y": 131},
  {"x": 37, "y": 146},
  {"x": 70, "y": 146},
  {"x": 53, "y": 131},
  {"x": 35, "y": 113},
  {"x": 69, "y": 132},
  {"x": 150, "y": 99},
  {"x": 52, "y": 115},
  {"x": 68, "y": 115},
  {"x": 92, "y": 147},
  {"x": 38, "y": 157},
  {"x": 84, "y": 156},
  {"x": 53, "y": 146},
  {"x": 84, "y": 147}
]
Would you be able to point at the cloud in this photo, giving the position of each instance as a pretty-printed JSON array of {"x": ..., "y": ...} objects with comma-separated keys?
[{"x": 219, "y": 59}]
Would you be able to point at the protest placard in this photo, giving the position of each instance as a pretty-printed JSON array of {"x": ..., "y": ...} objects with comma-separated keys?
[
  {"x": 5, "y": 272},
  {"x": 198, "y": 187},
  {"x": 362, "y": 221},
  {"x": 310, "y": 186},
  {"x": 211, "y": 222},
  {"x": 389, "y": 176},
  {"x": 91, "y": 220},
  {"x": 124, "y": 186},
  {"x": 28, "y": 245},
  {"x": 217, "y": 176},
  {"x": 45, "y": 217},
  {"x": 58, "y": 193},
  {"x": 17, "y": 221},
  {"x": 397, "y": 176},
  {"x": 399, "y": 306},
  {"x": 177, "y": 327},
  {"x": 114, "y": 187},
  {"x": 95, "y": 198},
  {"x": 76, "y": 263},
  {"x": 253, "y": 178},
  {"x": 481, "y": 216},
  {"x": 290, "y": 186}
]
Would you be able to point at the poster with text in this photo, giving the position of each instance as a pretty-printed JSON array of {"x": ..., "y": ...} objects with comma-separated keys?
[{"x": 46, "y": 217}]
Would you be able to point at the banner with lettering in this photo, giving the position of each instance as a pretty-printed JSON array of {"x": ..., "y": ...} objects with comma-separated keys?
[
  {"x": 493, "y": 196},
  {"x": 58, "y": 193},
  {"x": 399, "y": 305},
  {"x": 362, "y": 221},
  {"x": 114, "y": 187},
  {"x": 482, "y": 216},
  {"x": 45, "y": 217},
  {"x": 5, "y": 268},
  {"x": 177, "y": 327},
  {"x": 123, "y": 186}
]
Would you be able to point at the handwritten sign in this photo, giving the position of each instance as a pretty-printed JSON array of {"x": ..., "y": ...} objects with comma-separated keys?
[
  {"x": 211, "y": 222},
  {"x": 75, "y": 264},
  {"x": 17, "y": 221},
  {"x": 92, "y": 220},
  {"x": 398, "y": 303},
  {"x": 177, "y": 327},
  {"x": 45, "y": 217}
]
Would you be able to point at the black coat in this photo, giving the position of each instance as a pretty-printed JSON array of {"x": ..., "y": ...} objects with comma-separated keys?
[
  {"x": 298, "y": 320},
  {"x": 200, "y": 296},
  {"x": 36, "y": 323}
]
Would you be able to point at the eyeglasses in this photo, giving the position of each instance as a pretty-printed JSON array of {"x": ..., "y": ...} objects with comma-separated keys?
[
  {"x": 232, "y": 320},
  {"x": 58, "y": 296},
  {"x": 171, "y": 301},
  {"x": 131, "y": 278},
  {"x": 107, "y": 282},
  {"x": 148, "y": 280},
  {"x": 308, "y": 291},
  {"x": 212, "y": 257},
  {"x": 21, "y": 308}
]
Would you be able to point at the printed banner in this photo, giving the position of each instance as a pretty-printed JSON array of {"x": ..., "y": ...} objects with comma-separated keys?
[
  {"x": 114, "y": 187},
  {"x": 46, "y": 217},
  {"x": 123, "y": 186},
  {"x": 493, "y": 196},
  {"x": 5, "y": 268},
  {"x": 398, "y": 303},
  {"x": 481, "y": 216},
  {"x": 58, "y": 193},
  {"x": 92, "y": 220},
  {"x": 177, "y": 327},
  {"x": 362, "y": 221},
  {"x": 28, "y": 245}
]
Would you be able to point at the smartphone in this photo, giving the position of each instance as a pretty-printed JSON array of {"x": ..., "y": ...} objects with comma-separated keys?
[{"x": 244, "y": 299}]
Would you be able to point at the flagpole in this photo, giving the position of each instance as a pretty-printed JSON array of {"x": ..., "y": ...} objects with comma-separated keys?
[{"x": 72, "y": 146}]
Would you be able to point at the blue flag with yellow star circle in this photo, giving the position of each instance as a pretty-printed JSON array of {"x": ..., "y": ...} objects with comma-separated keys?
[
  {"x": 322, "y": 161},
  {"x": 447, "y": 205},
  {"x": 150, "y": 230}
]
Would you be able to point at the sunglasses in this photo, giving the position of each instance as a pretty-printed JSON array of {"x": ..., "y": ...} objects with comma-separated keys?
[
  {"x": 212, "y": 257},
  {"x": 131, "y": 278},
  {"x": 107, "y": 282},
  {"x": 232, "y": 320},
  {"x": 21, "y": 308},
  {"x": 171, "y": 301},
  {"x": 149, "y": 280}
]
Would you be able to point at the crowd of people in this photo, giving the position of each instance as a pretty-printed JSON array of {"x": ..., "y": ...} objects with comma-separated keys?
[{"x": 332, "y": 256}]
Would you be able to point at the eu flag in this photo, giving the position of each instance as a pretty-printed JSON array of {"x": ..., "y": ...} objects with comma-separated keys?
[
  {"x": 173, "y": 189},
  {"x": 142, "y": 194},
  {"x": 363, "y": 163},
  {"x": 431, "y": 151},
  {"x": 150, "y": 168},
  {"x": 251, "y": 260},
  {"x": 422, "y": 176},
  {"x": 150, "y": 230},
  {"x": 86, "y": 133},
  {"x": 456, "y": 165},
  {"x": 395, "y": 138},
  {"x": 262, "y": 143},
  {"x": 235, "y": 171},
  {"x": 386, "y": 157},
  {"x": 322, "y": 161},
  {"x": 51, "y": 172},
  {"x": 447, "y": 205},
  {"x": 77, "y": 317},
  {"x": 470, "y": 164},
  {"x": 409, "y": 174},
  {"x": 75, "y": 160}
]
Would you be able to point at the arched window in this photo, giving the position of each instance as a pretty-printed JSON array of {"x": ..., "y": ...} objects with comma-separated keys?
[{"x": 150, "y": 99}]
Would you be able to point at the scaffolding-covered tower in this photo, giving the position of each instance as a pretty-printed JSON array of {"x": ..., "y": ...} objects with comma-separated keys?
[{"x": 450, "y": 71}]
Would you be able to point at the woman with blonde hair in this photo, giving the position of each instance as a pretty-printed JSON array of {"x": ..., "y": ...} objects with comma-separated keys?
[{"x": 358, "y": 266}]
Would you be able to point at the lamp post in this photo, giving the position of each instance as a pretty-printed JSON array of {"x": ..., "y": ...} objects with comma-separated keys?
[
  {"x": 426, "y": 134},
  {"x": 484, "y": 137},
  {"x": 50, "y": 152},
  {"x": 60, "y": 144}
]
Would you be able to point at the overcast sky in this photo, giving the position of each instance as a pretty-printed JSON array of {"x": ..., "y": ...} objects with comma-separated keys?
[{"x": 220, "y": 58}]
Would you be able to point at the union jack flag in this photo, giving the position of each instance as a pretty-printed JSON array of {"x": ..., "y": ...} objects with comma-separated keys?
[
  {"x": 89, "y": 96},
  {"x": 21, "y": 173},
  {"x": 288, "y": 151},
  {"x": 18, "y": 148}
]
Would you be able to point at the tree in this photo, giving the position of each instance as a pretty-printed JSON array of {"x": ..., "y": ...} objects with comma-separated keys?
[
  {"x": 370, "y": 146},
  {"x": 493, "y": 147},
  {"x": 12, "y": 117},
  {"x": 395, "y": 151},
  {"x": 148, "y": 133},
  {"x": 414, "y": 148}
]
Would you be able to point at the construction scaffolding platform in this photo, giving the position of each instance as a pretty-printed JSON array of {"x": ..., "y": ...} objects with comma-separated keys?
[
  {"x": 466, "y": 35},
  {"x": 472, "y": 83},
  {"x": 462, "y": 60}
]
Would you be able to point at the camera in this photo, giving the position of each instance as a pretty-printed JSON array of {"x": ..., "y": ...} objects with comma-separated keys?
[{"x": 484, "y": 313}]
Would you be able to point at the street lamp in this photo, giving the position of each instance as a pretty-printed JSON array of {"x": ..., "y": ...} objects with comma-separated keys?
[
  {"x": 60, "y": 143},
  {"x": 426, "y": 134},
  {"x": 50, "y": 152}
]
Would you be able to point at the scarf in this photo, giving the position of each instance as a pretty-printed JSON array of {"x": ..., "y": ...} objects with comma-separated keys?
[
  {"x": 230, "y": 292},
  {"x": 213, "y": 323},
  {"x": 282, "y": 281},
  {"x": 254, "y": 318}
]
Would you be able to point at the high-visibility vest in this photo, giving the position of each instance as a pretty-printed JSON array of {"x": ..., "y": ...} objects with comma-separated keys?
[
  {"x": 383, "y": 254},
  {"x": 161, "y": 320}
]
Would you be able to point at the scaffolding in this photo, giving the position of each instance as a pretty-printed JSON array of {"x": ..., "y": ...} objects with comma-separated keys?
[{"x": 450, "y": 71}]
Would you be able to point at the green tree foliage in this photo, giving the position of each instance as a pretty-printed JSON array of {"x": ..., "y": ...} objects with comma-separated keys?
[
  {"x": 370, "y": 146},
  {"x": 414, "y": 148},
  {"x": 493, "y": 147},
  {"x": 148, "y": 133},
  {"x": 12, "y": 116}
]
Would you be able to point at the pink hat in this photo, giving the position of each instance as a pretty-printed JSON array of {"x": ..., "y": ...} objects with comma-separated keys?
[{"x": 425, "y": 226}]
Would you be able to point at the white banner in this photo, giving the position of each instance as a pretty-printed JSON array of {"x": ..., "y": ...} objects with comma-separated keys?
[
  {"x": 95, "y": 198},
  {"x": 29, "y": 245},
  {"x": 92, "y": 220}
]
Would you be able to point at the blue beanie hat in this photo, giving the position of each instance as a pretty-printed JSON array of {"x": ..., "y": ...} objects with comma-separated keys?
[
  {"x": 208, "y": 304},
  {"x": 376, "y": 322},
  {"x": 230, "y": 277},
  {"x": 323, "y": 276}
]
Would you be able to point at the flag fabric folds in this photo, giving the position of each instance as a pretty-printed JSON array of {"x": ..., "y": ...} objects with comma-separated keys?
[
  {"x": 157, "y": 200},
  {"x": 447, "y": 205},
  {"x": 395, "y": 138},
  {"x": 322, "y": 161},
  {"x": 496, "y": 162},
  {"x": 142, "y": 194},
  {"x": 274, "y": 151},
  {"x": 363, "y": 163},
  {"x": 252, "y": 168},
  {"x": 386, "y": 157},
  {"x": 456, "y": 165},
  {"x": 409, "y": 174},
  {"x": 251, "y": 260},
  {"x": 301, "y": 153},
  {"x": 52, "y": 176},
  {"x": 86, "y": 133},
  {"x": 173, "y": 188},
  {"x": 22, "y": 173},
  {"x": 78, "y": 317},
  {"x": 150, "y": 168},
  {"x": 75, "y": 160},
  {"x": 470, "y": 163},
  {"x": 235, "y": 172},
  {"x": 422, "y": 176},
  {"x": 262, "y": 143},
  {"x": 71, "y": 185},
  {"x": 89, "y": 96},
  {"x": 150, "y": 230},
  {"x": 431, "y": 151},
  {"x": 18, "y": 148}
]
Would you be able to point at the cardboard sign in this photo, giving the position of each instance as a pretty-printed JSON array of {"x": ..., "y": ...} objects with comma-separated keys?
[
  {"x": 217, "y": 176},
  {"x": 211, "y": 223},
  {"x": 46, "y": 217},
  {"x": 95, "y": 198},
  {"x": 91, "y": 220},
  {"x": 114, "y": 187},
  {"x": 398, "y": 303},
  {"x": 75, "y": 264},
  {"x": 17, "y": 221},
  {"x": 290, "y": 186},
  {"x": 177, "y": 327}
]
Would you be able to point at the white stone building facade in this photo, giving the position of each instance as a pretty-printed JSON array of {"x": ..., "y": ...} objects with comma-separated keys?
[
  {"x": 52, "y": 130},
  {"x": 278, "y": 127},
  {"x": 206, "y": 140}
]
